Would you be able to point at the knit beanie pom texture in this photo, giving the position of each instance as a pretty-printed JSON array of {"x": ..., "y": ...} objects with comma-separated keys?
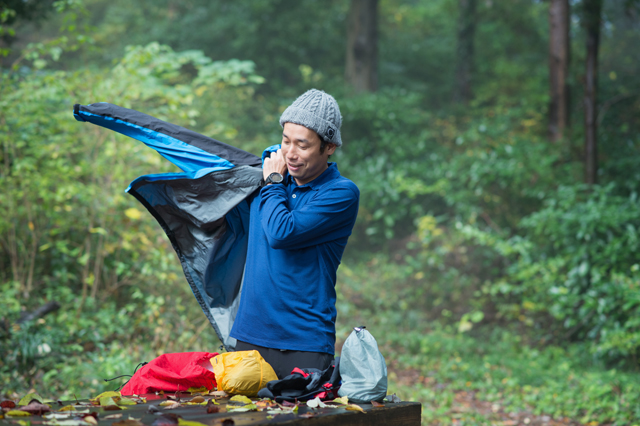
[{"x": 318, "y": 111}]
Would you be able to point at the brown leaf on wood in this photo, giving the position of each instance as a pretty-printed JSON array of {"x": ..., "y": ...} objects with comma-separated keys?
[
  {"x": 211, "y": 408},
  {"x": 171, "y": 405},
  {"x": 8, "y": 404},
  {"x": 197, "y": 399},
  {"x": 35, "y": 408},
  {"x": 376, "y": 404},
  {"x": 354, "y": 407},
  {"x": 112, "y": 408},
  {"x": 265, "y": 404}
]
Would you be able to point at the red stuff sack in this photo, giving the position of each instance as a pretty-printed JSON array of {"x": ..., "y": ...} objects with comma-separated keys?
[{"x": 173, "y": 372}]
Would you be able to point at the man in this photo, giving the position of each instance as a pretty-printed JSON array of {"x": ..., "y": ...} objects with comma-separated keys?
[{"x": 299, "y": 225}]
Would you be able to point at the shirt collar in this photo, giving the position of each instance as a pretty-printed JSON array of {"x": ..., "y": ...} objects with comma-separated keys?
[{"x": 329, "y": 174}]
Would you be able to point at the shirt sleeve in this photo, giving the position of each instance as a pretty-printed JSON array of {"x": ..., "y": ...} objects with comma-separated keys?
[{"x": 329, "y": 215}]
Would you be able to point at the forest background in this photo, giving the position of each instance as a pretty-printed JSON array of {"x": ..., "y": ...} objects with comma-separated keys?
[{"x": 496, "y": 145}]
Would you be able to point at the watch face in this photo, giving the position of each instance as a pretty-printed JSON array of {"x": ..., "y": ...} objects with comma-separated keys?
[{"x": 276, "y": 178}]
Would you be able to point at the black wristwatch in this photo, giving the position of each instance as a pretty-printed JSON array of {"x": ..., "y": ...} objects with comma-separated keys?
[{"x": 274, "y": 177}]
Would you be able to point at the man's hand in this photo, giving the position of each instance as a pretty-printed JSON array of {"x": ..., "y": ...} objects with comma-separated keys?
[{"x": 275, "y": 163}]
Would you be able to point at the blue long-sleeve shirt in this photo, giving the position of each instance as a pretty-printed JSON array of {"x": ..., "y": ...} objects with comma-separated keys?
[{"x": 297, "y": 235}]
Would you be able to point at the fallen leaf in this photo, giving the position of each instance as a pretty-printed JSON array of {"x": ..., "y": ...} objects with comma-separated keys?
[
  {"x": 170, "y": 405},
  {"x": 70, "y": 422},
  {"x": 193, "y": 390},
  {"x": 288, "y": 404},
  {"x": 343, "y": 400},
  {"x": 126, "y": 401},
  {"x": 265, "y": 403},
  {"x": 68, "y": 408},
  {"x": 17, "y": 413},
  {"x": 35, "y": 408},
  {"x": 219, "y": 394},
  {"x": 228, "y": 422},
  {"x": 354, "y": 407},
  {"x": 197, "y": 399},
  {"x": 112, "y": 408},
  {"x": 153, "y": 409},
  {"x": 30, "y": 397},
  {"x": 91, "y": 420},
  {"x": 73, "y": 410},
  {"x": 7, "y": 404},
  {"x": 106, "y": 401},
  {"x": 112, "y": 416},
  {"x": 241, "y": 408},
  {"x": 109, "y": 394},
  {"x": 211, "y": 409},
  {"x": 316, "y": 403},
  {"x": 56, "y": 415},
  {"x": 376, "y": 404},
  {"x": 241, "y": 399}
]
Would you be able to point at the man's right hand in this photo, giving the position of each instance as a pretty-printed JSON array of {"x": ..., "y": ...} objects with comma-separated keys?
[{"x": 275, "y": 163}]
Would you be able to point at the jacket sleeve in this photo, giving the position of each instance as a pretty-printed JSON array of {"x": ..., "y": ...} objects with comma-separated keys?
[{"x": 329, "y": 215}]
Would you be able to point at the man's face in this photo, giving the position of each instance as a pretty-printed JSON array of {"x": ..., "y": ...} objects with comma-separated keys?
[{"x": 301, "y": 150}]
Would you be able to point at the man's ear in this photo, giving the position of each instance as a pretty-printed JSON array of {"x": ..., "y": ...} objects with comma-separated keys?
[{"x": 331, "y": 148}]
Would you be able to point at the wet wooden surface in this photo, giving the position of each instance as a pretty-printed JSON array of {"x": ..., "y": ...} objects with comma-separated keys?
[{"x": 401, "y": 414}]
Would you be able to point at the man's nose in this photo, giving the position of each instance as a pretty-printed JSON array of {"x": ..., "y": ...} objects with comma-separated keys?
[{"x": 291, "y": 154}]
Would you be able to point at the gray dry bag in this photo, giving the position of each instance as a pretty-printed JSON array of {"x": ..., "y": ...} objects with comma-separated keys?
[{"x": 363, "y": 369}]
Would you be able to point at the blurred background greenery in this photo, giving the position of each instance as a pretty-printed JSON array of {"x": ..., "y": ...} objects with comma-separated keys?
[{"x": 496, "y": 145}]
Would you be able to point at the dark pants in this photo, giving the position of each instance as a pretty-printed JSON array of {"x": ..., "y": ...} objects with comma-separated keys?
[{"x": 284, "y": 361}]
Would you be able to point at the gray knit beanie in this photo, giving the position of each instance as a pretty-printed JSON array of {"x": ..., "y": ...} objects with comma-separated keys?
[{"x": 318, "y": 111}]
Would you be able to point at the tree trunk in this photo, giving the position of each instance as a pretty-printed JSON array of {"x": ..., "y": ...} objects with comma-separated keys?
[
  {"x": 362, "y": 45},
  {"x": 464, "y": 50},
  {"x": 592, "y": 20},
  {"x": 558, "y": 67}
]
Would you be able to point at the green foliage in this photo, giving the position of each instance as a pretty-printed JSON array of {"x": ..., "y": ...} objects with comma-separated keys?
[
  {"x": 497, "y": 365},
  {"x": 584, "y": 269},
  {"x": 385, "y": 154},
  {"x": 68, "y": 232}
]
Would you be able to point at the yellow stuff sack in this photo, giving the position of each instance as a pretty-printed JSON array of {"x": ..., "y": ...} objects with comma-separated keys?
[{"x": 242, "y": 373}]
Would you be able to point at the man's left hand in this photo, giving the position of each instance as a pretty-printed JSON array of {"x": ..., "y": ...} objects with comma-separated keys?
[{"x": 274, "y": 164}]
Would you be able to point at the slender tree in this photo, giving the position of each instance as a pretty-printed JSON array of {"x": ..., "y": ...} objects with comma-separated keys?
[
  {"x": 362, "y": 45},
  {"x": 558, "y": 67},
  {"x": 464, "y": 50},
  {"x": 592, "y": 21}
]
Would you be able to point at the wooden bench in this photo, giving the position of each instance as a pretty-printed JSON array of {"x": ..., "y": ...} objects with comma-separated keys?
[{"x": 401, "y": 414}]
